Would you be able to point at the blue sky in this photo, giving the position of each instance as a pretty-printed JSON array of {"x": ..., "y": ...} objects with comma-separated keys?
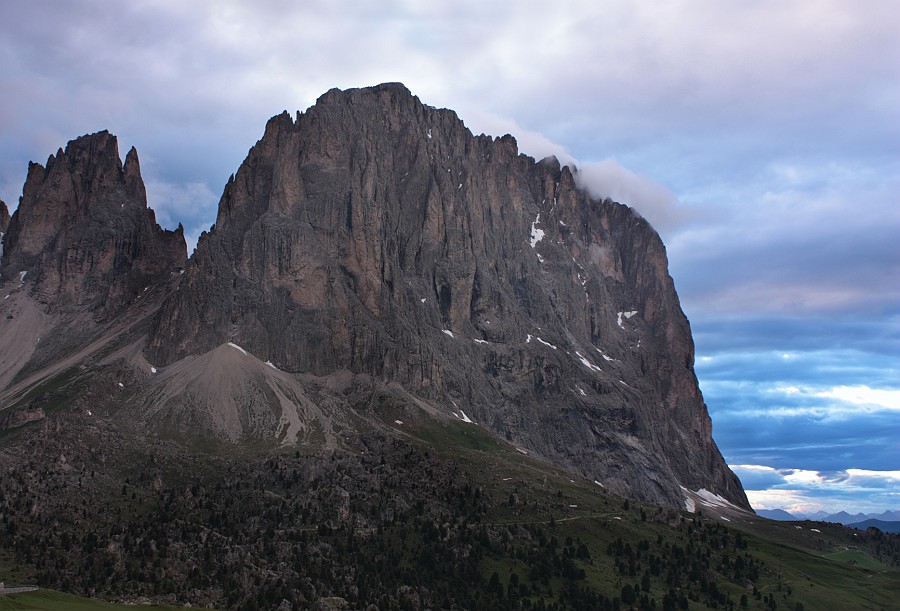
[{"x": 762, "y": 139}]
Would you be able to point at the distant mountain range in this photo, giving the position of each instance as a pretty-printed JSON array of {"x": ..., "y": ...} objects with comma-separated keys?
[
  {"x": 842, "y": 517},
  {"x": 886, "y": 527}
]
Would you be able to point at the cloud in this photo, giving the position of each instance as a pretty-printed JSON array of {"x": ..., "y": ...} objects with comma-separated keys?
[
  {"x": 655, "y": 202},
  {"x": 805, "y": 491},
  {"x": 800, "y": 406},
  {"x": 874, "y": 398},
  {"x": 821, "y": 247},
  {"x": 192, "y": 204}
]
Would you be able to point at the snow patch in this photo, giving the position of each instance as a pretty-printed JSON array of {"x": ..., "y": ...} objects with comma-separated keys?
[
  {"x": 22, "y": 277},
  {"x": 712, "y": 500},
  {"x": 121, "y": 385},
  {"x": 620, "y": 315},
  {"x": 465, "y": 418},
  {"x": 236, "y": 347},
  {"x": 599, "y": 484},
  {"x": 270, "y": 364},
  {"x": 726, "y": 519},
  {"x": 448, "y": 332},
  {"x": 521, "y": 451},
  {"x": 545, "y": 343},
  {"x": 583, "y": 394},
  {"x": 89, "y": 413},
  {"x": 153, "y": 370},
  {"x": 690, "y": 505},
  {"x": 428, "y": 134},
  {"x": 528, "y": 339},
  {"x": 815, "y": 530},
  {"x": 398, "y": 422},
  {"x": 479, "y": 341},
  {"x": 536, "y": 234},
  {"x": 424, "y": 299},
  {"x": 587, "y": 363},
  {"x": 604, "y": 355}
]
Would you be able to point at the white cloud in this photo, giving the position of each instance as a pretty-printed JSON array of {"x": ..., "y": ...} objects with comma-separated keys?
[
  {"x": 872, "y": 398},
  {"x": 844, "y": 402},
  {"x": 807, "y": 491},
  {"x": 655, "y": 202}
]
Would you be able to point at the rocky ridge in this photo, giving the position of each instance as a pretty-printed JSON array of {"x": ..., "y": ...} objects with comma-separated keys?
[
  {"x": 83, "y": 234},
  {"x": 371, "y": 256},
  {"x": 82, "y": 256},
  {"x": 4, "y": 219}
]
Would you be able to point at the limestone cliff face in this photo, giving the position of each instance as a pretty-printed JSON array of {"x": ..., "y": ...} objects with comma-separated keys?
[
  {"x": 4, "y": 224},
  {"x": 83, "y": 235},
  {"x": 4, "y": 217},
  {"x": 375, "y": 234}
]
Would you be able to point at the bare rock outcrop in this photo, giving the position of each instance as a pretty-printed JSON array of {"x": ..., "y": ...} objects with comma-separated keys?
[
  {"x": 4, "y": 224},
  {"x": 378, "y": 235},
  {"x": 83, "y": 235},
  {"x": 4, "y": 217}
]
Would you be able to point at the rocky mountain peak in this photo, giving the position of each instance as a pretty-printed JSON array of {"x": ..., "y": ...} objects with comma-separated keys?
[
  {"x": 82, "y": 232},
  {"x": 4, "y": 216},
  {"x": 4, "y": 224},
  {"x": 376, "y": 235}
]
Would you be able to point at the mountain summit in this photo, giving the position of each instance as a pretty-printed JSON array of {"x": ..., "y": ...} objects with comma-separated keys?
[
  {"x": 83, "y": 231},
  {"x": 373, "y": 262}
]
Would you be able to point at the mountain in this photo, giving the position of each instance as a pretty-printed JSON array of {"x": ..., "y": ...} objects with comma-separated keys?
[
  {"x": 376, "y": 382},
  {"x": 4, "y": 223},
  {"x": 370, "y": 256},
  {"x": 79, "y": 255},
  {"x": 842, "y": 517},
  {"x": 776, "y": 514},
  {"x": 882, "y": 525},
  {"x": 84, "y": 233},
  {"x": 377, "y": 236},
  {"x": 4, "y": 219}
]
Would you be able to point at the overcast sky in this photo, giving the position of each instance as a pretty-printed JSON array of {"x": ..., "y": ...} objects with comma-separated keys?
[{"x": 761, "y": 138}]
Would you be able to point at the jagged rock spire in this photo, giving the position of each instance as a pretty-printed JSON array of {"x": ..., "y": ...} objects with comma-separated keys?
[{"x": 83, "y": 232}]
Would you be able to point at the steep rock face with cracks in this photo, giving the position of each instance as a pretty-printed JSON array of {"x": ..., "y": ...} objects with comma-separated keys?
[
  {"x": 4, "y": 218},
  {"x": 82, "y": 258},
  {"x": 83, "y": 236},
  {"x": 375, "y": 235}
]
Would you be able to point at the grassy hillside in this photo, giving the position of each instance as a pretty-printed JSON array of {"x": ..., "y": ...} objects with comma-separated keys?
[
  {"x": 49, "y": 600},
  {"x": 428, "y": 516}
]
